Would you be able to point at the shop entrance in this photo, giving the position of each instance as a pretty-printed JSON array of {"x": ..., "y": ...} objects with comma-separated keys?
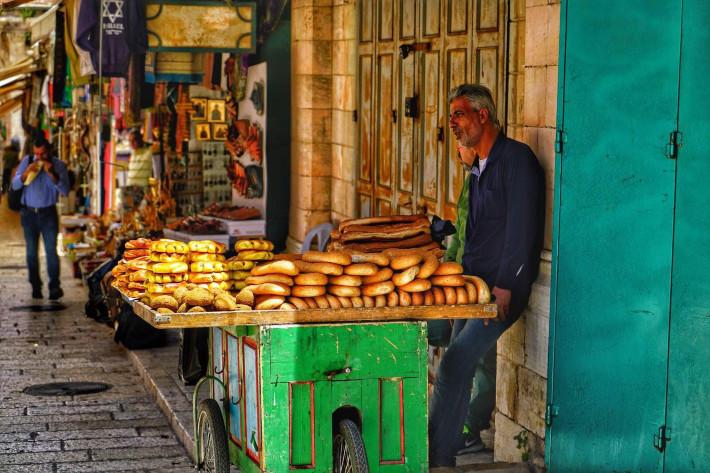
[{"x": 410, "y": 54}]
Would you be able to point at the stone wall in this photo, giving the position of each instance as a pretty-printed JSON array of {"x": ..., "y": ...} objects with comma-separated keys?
[{"x": 522, "y": 351}]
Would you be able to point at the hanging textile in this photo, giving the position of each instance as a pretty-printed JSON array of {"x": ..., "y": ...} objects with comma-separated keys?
[
  {"x": 59, "y": 78},
  {"x": 80, "y": 66},
  {"x": 272, "y": 12}
]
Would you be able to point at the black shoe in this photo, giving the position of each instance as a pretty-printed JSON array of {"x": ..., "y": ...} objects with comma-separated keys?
[
  {"x": 471, "y": 444},
  {"x": 55, "y": 294},
  {"x": 37, "y": 293}
]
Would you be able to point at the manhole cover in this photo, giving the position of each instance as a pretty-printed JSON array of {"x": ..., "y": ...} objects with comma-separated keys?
[
  {"x": 13, "y": 267},
  {"x": 66, "y": 389},
  {"x": 38, "y": 308}
]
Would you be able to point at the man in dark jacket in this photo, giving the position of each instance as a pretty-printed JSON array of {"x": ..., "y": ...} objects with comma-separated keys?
[{"x": 504, "y": 232}]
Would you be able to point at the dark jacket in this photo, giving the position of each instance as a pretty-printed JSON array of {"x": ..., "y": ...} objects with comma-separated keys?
[
  {"x": 506, "y": 219},
  {"x": 124, "y": 32}
]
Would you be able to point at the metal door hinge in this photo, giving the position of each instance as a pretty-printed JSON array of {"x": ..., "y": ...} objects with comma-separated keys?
[
  {"x": 662, "y": 438},
  {"x": 675, "y": 142},
  {"x": 354, "y": 115},
  {"x": 394, "y": 116},
  {"x": 560, "y": 140},
  {"x": 550, "y": 411}
]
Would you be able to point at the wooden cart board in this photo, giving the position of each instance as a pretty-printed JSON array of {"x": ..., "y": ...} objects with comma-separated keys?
[{"x": 311, "y": 316}]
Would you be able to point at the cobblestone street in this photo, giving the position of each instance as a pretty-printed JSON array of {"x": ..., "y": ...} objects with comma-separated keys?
[{"x": 118, "y": 430}]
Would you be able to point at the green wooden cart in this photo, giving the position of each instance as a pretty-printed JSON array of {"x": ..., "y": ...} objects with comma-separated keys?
[{"x": 316, "y": 390}]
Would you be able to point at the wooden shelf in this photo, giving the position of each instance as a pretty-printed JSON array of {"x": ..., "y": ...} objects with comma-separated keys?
[{"x": 311, "y": 316}]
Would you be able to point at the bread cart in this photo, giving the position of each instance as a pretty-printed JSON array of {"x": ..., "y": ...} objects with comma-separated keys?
[{"x": 317, "y": 390}]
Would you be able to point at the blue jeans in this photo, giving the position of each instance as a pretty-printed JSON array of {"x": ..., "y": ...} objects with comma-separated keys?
[
  {"x": 470, "y": 340},
  {"x": 45, "y": 222}
]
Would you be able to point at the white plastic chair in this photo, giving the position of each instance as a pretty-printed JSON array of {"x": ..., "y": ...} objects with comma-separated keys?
[{"x": 322, "y": 235}]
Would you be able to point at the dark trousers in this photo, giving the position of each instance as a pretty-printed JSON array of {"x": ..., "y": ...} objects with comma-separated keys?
[
  {"x": 45, "y": 222},
  {"x": 470, "y": 340}
]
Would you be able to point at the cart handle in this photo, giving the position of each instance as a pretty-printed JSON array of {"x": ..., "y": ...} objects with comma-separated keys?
[
  {"x": 239, "y": 390},
  {"x": 222, "y": 370}
]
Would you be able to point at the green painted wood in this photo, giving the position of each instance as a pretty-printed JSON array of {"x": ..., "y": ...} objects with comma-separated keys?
[
  {"x": 302, "y": 421},
  {"x": 391, "y": 418},
  {"x": 689, "y": 378},
  {"x": 613, "y": 235}
]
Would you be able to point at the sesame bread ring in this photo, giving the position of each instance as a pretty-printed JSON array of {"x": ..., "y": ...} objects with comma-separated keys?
[
  {"x": 380, "y": 301},
  {"x": 450, "y": 295},
  {"x": 307, "y": 291},
  {"x": 167, "y": 257},
  {"x": 344, "y": 291},
  {"x": 483, "y": 293},
  {"x": 346, "y": 280},
  {"x": 418, "y": 285},
  {"x": 357, "y": 301},
  {"x": 164, "y": 300},
  {"x": 133, "y": 254},
  {"x": 255, "y": 255},
  {"x": 448, "y": 268},
  {"x": 169, "y": 268},
  {"x": 271, "y": 288},
  {"x": 392, "y": 299},
  {"x": 263, "y": 245},
  {"x": 139, "y": 263},
  {"x": 169, "y": 246},
  {"x": 406, "y": 276},
  {"x": 471, "y": 292},
  {"x": 453, "y": 280},
  {"x": 417, "y": 298},
  {"x": 361, "y": 269},
  {"x": 405, "y": 300},
  {"x": 311, "y": 279},
  {"x": 206, "y": 246},
  {"x": 380, "y": 259},
  {"x": 428, "y": 298},
  {"x": 378, "y": 289},
  {"x": 368, "y": 301},
  {"x": 278, "y": 278},
  {"x": 200, "y": 278},
  {"x": 239, "y": 285},
  {"x": 345, "y": 302},
  {"x": 276, "y": 267},
  {"x": 461, "y": 296},
  {"x": 439, "y": 297},
  {"x": 322, "y": 302},
  {"x": 268, "y": 302},
  {"x": 297, "y": 302},
  {"x": 310, "y": 302},
  {"x": 330, "y": 269},
  {"x": 240, "y": 275},
  {"x": 207, "y": 267},
  {"x": 206, "y": 257},
  {"x": 430, "y": 264},
  {"x": 405, "y": 261},
  {"x": 333, "y": 302},
  {"x": 138, "y": 276},
  {"x": 384, "y": 274},
  {"x": 334, "y": 257},
  {"x": 138, "y": 243},
  {"x": 235, "y": 265}
]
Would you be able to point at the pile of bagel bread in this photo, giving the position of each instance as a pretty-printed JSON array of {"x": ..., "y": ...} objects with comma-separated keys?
[
  {"x": 376, "y": 234},
  {"x": 340, "y": 279},
  {"x": 249, "y": 253},
  {"x": 131, "y": 273}
]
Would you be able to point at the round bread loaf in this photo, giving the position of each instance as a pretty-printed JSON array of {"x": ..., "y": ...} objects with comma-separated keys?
[
  {"x": 287, "y": 306},
  {"x": 405, "y": 261},
  {"x": 418, "y": 285},
  {"x": 164, "y": 300},
  {"x": 271, "y": 288},
  {"x": 335, "y": 257},
  {"x": 278, "y": 278},
  {"x": 361, "y": 269},
  {"x": 392, "y": 299},
  {"x": 417, "y": 298},
  {"x": 207, "y": 277},
  {"x": 448, "y": 268},
  {"x": 261, "y": 245},
  {"x": 368, "y": 301},
  {"x": 406, "y": 276},
  {"x": 307, "y": 291},
  {"x": 378, "y": 289},
  {"x": 453, "y": 280},
  {"x": 357, "y": 301},
  {"x": 311, "y": 279},
  {"x": 169, "y": 268},
  {"x": 346, "y": 280},
  {"x": 449, "y": 295},
  {"x": 430, "y": 264},
  {"x": 345, "y": 302},
  {"x": 311, "y": 302},
  {"x": 268, "y": 302},
  {"x": 168, "y": 257},
  {"x": 276, "y": 267},
  {"x": 461, "y": 296},
  {"x": 297, "y": 302},
  {"x": 333, "y": 302},
  {"x": 322, "y": 302},
  {"x": 405, "y": 300},
  {"x": 236, "y": 265},
  {"x": 164, "y": 310},
  {"x": 243, "y": 275},
  {"x": 206, "y": 246},
  {"x": 255, "y": 255},
  {"x": 428, "y": 298},
  {"x": 207, "y": 266},
  {"x": 344, "y": 291},
  {"x": 207, "y": 257},
  {"x": 197, "y": 308},
  {"x": 439, "y": 297},
  {"x": 330, "y": 269},
  {"x": 167, "y": 288},
  {"x": 384, "y": 274},
  {"x": 169, "y": 246},
  {"x": 381, "y": 301},
  {"x": 471, "y": 292},
  {"x": 198, "y": 297}
]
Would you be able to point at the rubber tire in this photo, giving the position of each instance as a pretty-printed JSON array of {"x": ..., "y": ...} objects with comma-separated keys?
[
  {"x": 209, "y": 416},
  {"x": 349, "y": 434}
]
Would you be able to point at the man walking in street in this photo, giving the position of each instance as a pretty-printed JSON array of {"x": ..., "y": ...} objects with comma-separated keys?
[
  {"x": 42, "y": 178},
  {"x": 503, "y": 240}
]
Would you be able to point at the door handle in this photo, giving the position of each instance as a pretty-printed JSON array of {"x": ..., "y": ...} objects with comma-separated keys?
[
  {"x": 332, "y": 373},
  {"x": 406, "y": 49}
]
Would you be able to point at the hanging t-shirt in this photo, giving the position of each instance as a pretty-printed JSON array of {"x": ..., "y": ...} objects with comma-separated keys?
[{"x": 124, "y": 31}]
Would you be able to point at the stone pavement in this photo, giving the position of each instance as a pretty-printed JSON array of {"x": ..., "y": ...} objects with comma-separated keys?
[{"x": 118, "y": 430}]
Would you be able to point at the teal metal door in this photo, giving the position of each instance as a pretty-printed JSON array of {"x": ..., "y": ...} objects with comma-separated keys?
[
  {"x": 614, "y": 185},
  {"x": 689, "y": 378}
]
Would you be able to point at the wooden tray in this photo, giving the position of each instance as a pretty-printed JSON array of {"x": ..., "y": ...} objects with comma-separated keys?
[{"x": 311, "y": 316}]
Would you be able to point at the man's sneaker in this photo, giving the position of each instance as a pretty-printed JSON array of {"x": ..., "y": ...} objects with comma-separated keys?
[
  {"x": 37, "y": 293},
  {"x": 55, "y": 294},
  {"x": 471, "y": 444}
]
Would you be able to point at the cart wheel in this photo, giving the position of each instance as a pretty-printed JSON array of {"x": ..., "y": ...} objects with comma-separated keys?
[
  {"x": 213, "y": 455},
  {"x": 348, "y": 450}
]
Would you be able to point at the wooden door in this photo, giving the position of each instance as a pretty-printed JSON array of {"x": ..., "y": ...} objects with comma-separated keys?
[{"x": 407, "y": 155}]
